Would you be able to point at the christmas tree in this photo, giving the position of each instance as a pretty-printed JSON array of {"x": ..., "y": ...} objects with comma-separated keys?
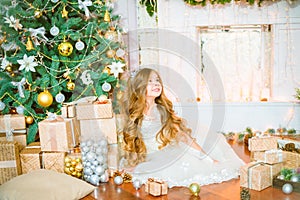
[{"x": 57, "y": 51}]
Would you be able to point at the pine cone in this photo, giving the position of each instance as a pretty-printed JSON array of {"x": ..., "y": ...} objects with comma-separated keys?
[
  {"x": 245, "y": 194},
  {"x": 127, "y": 177}
]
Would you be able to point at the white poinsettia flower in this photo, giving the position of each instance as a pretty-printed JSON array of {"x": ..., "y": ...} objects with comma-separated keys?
[
  {"x": 116, "y": 68},
  {"x": 12, "y": 22},
  {"x": 27, "y": 63},
  {"x": 4, "y": 63}
]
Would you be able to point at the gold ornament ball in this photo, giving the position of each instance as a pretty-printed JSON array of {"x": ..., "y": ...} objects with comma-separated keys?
[
  {"x": 65, "y": 48},
  {"x": 38, "y": 14},
  {"x": 8, "y": 68},
  {"x": 195, "y": 189},
  {"x": 111, "y": 53},
  {"x": 70, "y": 85},
  {"x": 45, "y": 99},
  {"x": 106, "y": 70},
  {"x": 29, "y": 120}
]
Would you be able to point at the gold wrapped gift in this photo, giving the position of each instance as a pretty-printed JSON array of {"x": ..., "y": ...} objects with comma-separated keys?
[
  {"x": 156, "y": 187},
  {"x": 271, "y": 156},
  {"x": 255, "y": 176},
  {"x": 263, "y": 143},
  {"x": 94, "y": 110},
  {"x": 10, "y": 165},
  {"x": 13, "y": 128},
  {"x": 60, "y": 134}
]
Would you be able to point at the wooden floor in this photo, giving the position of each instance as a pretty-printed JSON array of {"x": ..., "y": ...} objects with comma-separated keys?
[{"x": 229, "y": 190}]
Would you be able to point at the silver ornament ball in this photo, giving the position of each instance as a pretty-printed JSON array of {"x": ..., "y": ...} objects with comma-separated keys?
[
  {"x": 20, "y": 110},
  {"x": 106, "y": 87},
  {"x": 2, "y": 106},
  {"x": 79, "y": 45},
  {"x": 295, "y": 178},
  {"x": 137, "y": 184},
  {"x": 59, "y": 98},
  {"x": 118, "y": 180},
  {"x": 54, "y": 31},
  {"x": 287, "y": 188}
]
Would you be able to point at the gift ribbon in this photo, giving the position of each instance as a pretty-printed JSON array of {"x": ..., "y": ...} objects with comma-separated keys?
[
  {"x": 8, "y": 129},
  {"x": 8, "y": 164},
  {"x": 41, "y": 31},
  {"x": 84, "y": 5},
  {"x": 249, "y": 173},
  {"x": 20, "y": 86}
]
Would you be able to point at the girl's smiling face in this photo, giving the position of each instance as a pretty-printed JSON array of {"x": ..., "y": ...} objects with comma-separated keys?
[{"x": 154, "y": 87}]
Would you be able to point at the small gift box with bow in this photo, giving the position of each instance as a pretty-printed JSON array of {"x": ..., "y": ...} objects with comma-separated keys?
[
  {"x": 156, "y": 187},
  {"x": 13, "y": 128}
]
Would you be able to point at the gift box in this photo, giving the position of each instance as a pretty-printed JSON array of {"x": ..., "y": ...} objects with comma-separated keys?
[
  {"x": 255, "y": 175},
  {"x": 54, "y": 161},
  {"x": 94, "y": 110},
  {"x": 270, "y": 156},
  {"x": 68, "y": 110},
  {"x": 292, "y": 160},
  {"x": 13, "y": 128},
  {"x": 262, "y": 143},
  {"x": 156, "y": 187},
  {"x": 99, "y": 128},
  {"x": 31, "y": 159},
  {"x": 10, "y": 165},
  {"x": 275, "y": 169},
  {"x": 60, "y": 134}
]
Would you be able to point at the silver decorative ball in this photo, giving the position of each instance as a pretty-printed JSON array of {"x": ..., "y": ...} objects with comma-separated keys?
[
  {"x": 137, "y": 184},
  {"x": 91, "y": 156},
  {"x": 118, "y": 180},
  {"x": 94, "y": 179},
  {"x": 287, "y": 188},
  {"x": 99, "y": 170},
  {"x": 104, "y": 177},
  {"x": 106, "y": 87},
  {"x": 2, "y": 105},
  {"x": 295, "y": 178},
  {"x": 59, "y": 98},
  {"x": 79, "y": 45},
  {"x": 54, "y": 31},
  {"x": 20, "y": 110}
]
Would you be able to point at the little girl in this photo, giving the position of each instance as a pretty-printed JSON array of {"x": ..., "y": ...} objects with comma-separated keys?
[{"x": 158, "y": 144}]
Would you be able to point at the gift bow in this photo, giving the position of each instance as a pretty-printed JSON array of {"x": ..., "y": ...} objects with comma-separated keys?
[
  {"x": 84, "y": 5},
  {"x": 20, "y": 86},
  {"x": 53, "y": 117},
  {"x": 41, "y": 31}
]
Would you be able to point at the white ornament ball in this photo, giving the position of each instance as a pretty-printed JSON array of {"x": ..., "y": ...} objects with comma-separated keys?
[
  {"x": 99, "y": 170},
  {"x": 104, "y": 177},
  {"x": 85, "y": 149},
  {"x": 54, "y": 30},
  {"x": 88, "y": 164},
  {"x": 79, "y": 45},
  {"x": 281, "y": 177},
  {"x": 89, "y": 143},
  {"x": 87, "y": 171},
  {"x": 100, "y": 159},
  {"x": 59, "y": 98},
  {"x": 118, "y": 180},
  {"x": 99, "y": 151},
  {"x": 94, "y": 179},
  {"x": 106, "y": 87},
  {"x": 287, "y": 188},
  {"x": 120, "y": 53},
  {"x": 295, "y": 178},
  {"x": 137, "y": 184},
  {"x": 2, "y": 106},
  {"x": 95, "y": 162},
  {"x": 54, "y": 1},
  {"x": 91, "y": 156},
  {"x": 20, "y": 110}
]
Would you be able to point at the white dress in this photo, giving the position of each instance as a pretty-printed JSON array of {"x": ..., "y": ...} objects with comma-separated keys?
[{"x": 180, "y": 165}]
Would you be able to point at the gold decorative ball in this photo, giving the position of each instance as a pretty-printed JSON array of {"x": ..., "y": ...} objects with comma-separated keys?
[
  {"x": 29, "y": 120},
  {"x": 65, "y": 48},
  {"x": 111, "y": 53},
  {"x": 38, "y": 14},
  {"x": 195, "y": 189},
  {"x": 70, "y": 85},
  {"x": 8, "y": 68},
  {"x": 45, "y": 99}
]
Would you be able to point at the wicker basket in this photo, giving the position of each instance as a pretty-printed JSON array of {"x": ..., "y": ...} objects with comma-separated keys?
[{"x": 10, "y": 165}]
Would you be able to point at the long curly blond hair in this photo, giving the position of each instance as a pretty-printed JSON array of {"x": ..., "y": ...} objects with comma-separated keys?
[{"x": 132, "y": 109}]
